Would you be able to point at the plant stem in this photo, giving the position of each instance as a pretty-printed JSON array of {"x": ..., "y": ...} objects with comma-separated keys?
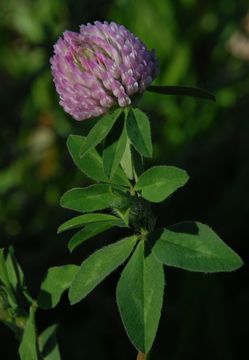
[{"x": 141, "y": 356}]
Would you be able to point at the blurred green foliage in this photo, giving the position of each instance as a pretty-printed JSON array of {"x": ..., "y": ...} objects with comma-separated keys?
[{"x": 204, "y": 317}]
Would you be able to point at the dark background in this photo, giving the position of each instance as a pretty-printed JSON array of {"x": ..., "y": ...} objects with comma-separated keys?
[{"x": 204, "y": 316}]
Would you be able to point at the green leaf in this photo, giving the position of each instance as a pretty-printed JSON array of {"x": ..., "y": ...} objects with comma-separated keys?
[
  {"x": 126, "y": 161},
  {"x": 14, "y": 271},
  {"x": 182, "y": 90},
  {"x": 57, "y": 280},
  {"x": 99, "y": 131},
  {"x": 12, "y": 277},
  {"x": 3, "y": 272},
  {"x": 124, "y": 215},
  {"x": 28, "y": 346},
  {"x": 92, "y": 230},
  {"x": 98, "y": 266},
  {"x": 92, "y": 165},
  {"x": 138, "y": 130},
  {"x": 91, "y": 198},
  {"x": 9, "y": 297},
  {"x": 157, "y": 183},
  {"x": 123, "y": 198},
  {"x": 140, "y": 297},
  {"x": 194, "y": 246},
  {"x": 48, "y": 344},
  {"x": 113, "y": 153},
  {"x": 137, "y": 163},
  {"x": 85, "y": 219}
]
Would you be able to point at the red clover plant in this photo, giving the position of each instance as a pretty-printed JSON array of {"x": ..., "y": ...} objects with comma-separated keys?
[{"x": 101, "y": 72}]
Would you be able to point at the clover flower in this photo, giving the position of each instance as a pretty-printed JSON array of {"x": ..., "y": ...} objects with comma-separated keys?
[{"x": 102, "y": 66}]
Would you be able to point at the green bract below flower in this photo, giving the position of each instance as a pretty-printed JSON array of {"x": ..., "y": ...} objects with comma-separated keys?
[{"x": 101, "y": 66}]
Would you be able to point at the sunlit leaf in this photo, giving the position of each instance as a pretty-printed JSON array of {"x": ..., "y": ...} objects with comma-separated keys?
[
  {"x": 194, "y": 246},
  {"x": 138, "y": 130},
  {"x": 28, "y": 347},
  {"x": 57, "y": 280},
  {"x": 81, "y": 220},
  {"x": 113, "y": 153},
  {"x": 126, "y": 161},
  {"x": 158, "y": 182},
  {"x": 91, "y": 164},
  {"x": 140, "y": 297},
  {"x": 99, "y": 131},
  {"x": 98, "y": 266},
  {"x": 92, "y": 230},
  {"x": 91, "y": 198}
]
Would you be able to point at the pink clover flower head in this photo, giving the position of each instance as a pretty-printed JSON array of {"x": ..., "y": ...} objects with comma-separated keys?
[{"x": 102, "y": 66}]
